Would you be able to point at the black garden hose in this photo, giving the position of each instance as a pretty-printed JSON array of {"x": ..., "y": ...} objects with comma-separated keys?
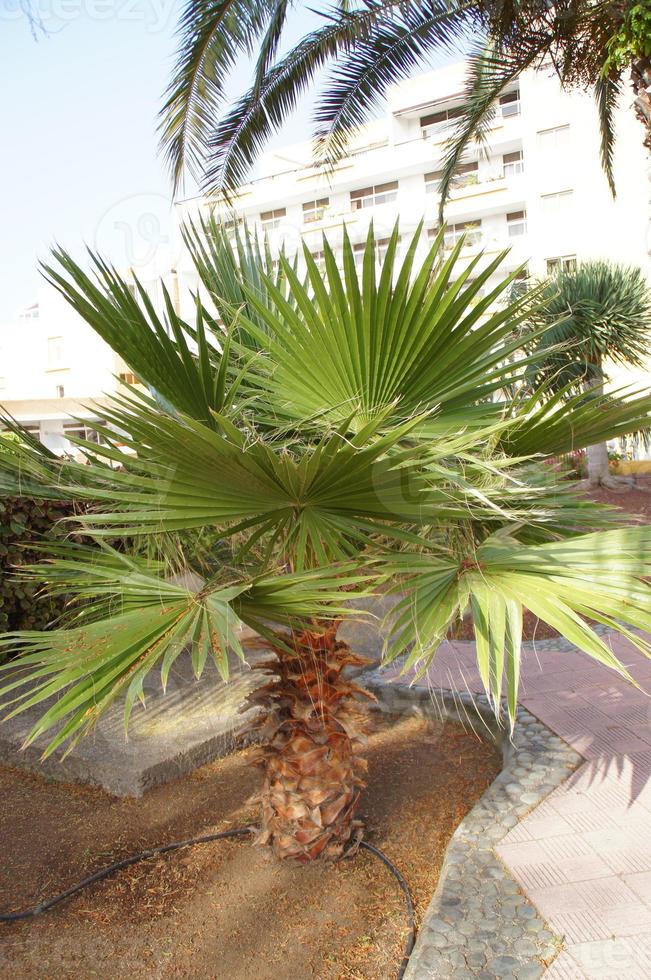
[{"x": 175, "y": 845}]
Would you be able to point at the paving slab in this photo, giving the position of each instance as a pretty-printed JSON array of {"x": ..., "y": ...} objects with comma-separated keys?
[
  {"x": 195, "y": 722},
  {"x": 583, "y": 855}
]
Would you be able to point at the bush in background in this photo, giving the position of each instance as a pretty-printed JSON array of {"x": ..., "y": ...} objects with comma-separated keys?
[{"x": 24, "y": 521}]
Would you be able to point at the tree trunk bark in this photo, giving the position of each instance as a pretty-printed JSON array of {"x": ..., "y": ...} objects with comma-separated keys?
[
  {"x": 313, "y": 729},
  {"x": 597, "y": 457}
]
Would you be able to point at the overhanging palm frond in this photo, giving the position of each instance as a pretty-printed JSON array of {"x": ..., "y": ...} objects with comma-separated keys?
[
  {"x": 240, "y": 136},
  {"x": 490, "y": 71},
  {"x": 394, "y": 47},
  {"x": 213, "y": 33},
  {"x": 607, "y": 92},
  {"x": 599, "y": 577},
  {"x": 140, "y": 621},
  {"x": 188, "y": 365}
]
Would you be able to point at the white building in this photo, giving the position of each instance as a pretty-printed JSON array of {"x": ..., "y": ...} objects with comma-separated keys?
[
  {"x": 537, "y": 188},
  {"x": 53, "y": 366}
]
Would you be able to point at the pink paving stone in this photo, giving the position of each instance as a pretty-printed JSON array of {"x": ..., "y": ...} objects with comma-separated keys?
[
  {"x": 593, "y": 832},
  {"x": 564, "y": 967},
  {"x": 602, "y": 744},
  {"x": 544, "y": 828},
  {"x": 641, "y": 885},
  {"x": 613, "y": 959},
  {"x": 562, "y": 859}
]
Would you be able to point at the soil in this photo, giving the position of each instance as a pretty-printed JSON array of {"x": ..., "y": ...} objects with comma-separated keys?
[
  {"x": 532, "y": 629},
  {"x": 635, "y": 501},
  {"x": 227, "y": 910}
]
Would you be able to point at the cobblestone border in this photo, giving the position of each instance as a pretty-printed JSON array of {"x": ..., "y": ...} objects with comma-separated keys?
[{"x": 478, "y": 923}]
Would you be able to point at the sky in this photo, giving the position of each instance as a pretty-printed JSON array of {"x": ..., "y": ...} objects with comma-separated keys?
[
  {"x": 78, "y": 113},
  {"x": 79, "y": 162}
]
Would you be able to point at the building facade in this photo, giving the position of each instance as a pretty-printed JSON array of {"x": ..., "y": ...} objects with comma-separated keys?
[
  {"x": 536, "y": 187},
  {"x": 53, "y": 367}
]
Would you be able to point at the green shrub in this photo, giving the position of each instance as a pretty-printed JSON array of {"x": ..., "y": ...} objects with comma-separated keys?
[{"x": 25, "y": 521}]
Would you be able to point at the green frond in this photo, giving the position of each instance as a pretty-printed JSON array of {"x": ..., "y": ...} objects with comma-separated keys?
[
  {"x": 395, "y": 46},
  {"x": 212, "y": 33},
  {"x": 490, "y": 70},
  {"x": 241, "y": 134},
  {"x": 599, "y": 577},
  {"x": 185, "y": 364},
  {"x": 607, "y": 92},
  {"x": 139, "y": 621}
]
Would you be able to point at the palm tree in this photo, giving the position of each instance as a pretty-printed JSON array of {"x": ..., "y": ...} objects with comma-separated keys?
[
  {"x": 590, "y": 44},
  {"x": 337, "y": 434},
  {"x": 596, "y": 314}
]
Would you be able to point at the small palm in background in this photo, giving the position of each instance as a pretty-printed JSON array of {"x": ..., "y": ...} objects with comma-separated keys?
[
  {"x": 335, "y": 434},
  {"x": 597, "y": 316}
]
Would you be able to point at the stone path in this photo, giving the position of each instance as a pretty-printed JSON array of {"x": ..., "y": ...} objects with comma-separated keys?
[{"x": 583, "y": 855}]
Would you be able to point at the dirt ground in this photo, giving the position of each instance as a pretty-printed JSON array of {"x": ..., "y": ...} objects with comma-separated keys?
[
  {"x": 636, "y": 501},
  {"x": 226, "y": 910}
]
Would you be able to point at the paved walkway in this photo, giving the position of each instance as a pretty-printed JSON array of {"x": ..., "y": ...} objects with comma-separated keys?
[{"x": 583, "y": 856}]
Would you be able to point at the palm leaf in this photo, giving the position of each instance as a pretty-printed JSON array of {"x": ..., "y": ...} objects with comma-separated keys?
[
  {"x": 142, "y": 621},
  {"x": 599, "y": 577},
  {"x": 212, "y": 35}
]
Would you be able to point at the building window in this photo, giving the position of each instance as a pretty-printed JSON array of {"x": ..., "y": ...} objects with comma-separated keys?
[
  {"x": 513, "y": 163},
  {"x": 561, "y": 263},
  {"x": 60, "y": 390},
  {"x": 555, "y": 138},
  {"x": 555, "y": 205},
  {"x": 381, "y": 246},
  {"x": 439, "y": 123},
  {"x": 367, "y": 197},
  {"x": 271, "y": 219},
  {"x": 519, "y": 284},
  {"x": 315, "y": 210},
  {"x": 467, "y": 174},
  {"x": 471, "y": 230},
  {"x": 31, "y": 313},
  {"x": 77, "y": 430},
  {"x": 55, "y": 349},
  {"x": 319, "y": 258},
  {"x": 510, "y": 104},
  {"x": 516, "y": 222},
  {"x": 128, "y": 378}
]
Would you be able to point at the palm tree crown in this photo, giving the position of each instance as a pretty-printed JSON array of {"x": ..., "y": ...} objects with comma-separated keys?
[
  {"x": 597, "y": 312},
  {"x": 369, "y": 46},
  {"x": 336, "y": 434}
]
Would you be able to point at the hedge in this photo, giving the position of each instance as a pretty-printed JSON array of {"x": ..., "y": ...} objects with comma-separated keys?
[{"x": 24, "y": 521}]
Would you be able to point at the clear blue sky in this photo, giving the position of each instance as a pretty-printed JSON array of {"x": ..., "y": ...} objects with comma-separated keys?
[{"x": 78, "y": 116}]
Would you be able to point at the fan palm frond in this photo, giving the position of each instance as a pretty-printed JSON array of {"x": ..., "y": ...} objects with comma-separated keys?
[{"x": 374, "y": 430}]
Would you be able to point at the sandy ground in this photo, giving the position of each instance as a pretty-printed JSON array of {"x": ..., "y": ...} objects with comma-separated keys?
[{"x": 227, "y": 910}]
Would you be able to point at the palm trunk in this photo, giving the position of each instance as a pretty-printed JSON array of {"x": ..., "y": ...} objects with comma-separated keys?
[
  {"x": 313, "y": 730},
  {"x": 597, "y": 456}
]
